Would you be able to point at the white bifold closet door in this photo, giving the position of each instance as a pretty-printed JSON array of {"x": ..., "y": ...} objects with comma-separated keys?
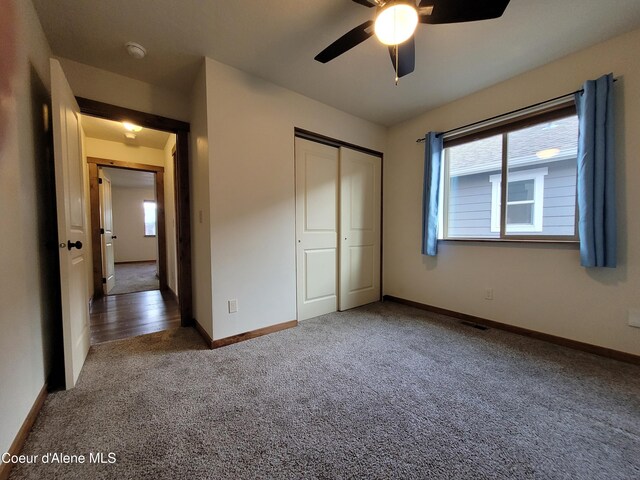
[
  {"x": 337, "y": 228},
  {"x": 316, "y": 228},
  {"x": 360, "y": 205}
]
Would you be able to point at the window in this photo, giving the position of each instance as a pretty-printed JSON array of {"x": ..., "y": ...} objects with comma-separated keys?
[
  {"x": 537, "y": 154},
  {"x": 149, "y": 218},
  {"x": 525, "y": 200}
]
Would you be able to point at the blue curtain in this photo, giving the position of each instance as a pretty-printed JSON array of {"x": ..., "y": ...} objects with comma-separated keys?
[
  {"x": 596, "y": 174},
  {"x": 430, "y": 193}
]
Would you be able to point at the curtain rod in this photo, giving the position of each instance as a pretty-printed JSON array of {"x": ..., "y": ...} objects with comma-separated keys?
[{"x": 422, "y": 140}]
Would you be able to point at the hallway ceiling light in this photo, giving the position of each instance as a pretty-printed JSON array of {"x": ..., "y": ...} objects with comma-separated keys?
[
  {"x": 136, "y": 50},
  {"x": 131, "y": 127},
  {"x": 130, "y": 136}
]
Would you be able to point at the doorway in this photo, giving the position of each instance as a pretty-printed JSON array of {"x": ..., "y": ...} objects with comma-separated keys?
[
  {"x": 129, "y": 230},
  {"x": 181, "y": 224},
  {"x": 131, "y": 186},
  {"x": 338, "y": 225},
  {"x": 73, "y": 217}
]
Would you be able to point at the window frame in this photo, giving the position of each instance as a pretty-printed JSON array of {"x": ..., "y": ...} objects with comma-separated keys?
[
  {"x": 553, "y": 111},
  {"x": 144, "y": 223}
]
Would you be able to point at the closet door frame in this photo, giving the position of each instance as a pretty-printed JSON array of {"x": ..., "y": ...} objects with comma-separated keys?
[{"x": 333, "y": 142}]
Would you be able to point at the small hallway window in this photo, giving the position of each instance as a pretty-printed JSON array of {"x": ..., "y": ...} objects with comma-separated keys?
[{"x": 149, "y": 218}]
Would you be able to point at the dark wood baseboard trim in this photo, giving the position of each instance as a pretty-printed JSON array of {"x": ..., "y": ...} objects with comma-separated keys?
[
  {"x": 170, "y": 293},
  {"x": 565, "y": 342},
  {"x": 23, "y": 433},
  {"x": 241, "y": 337},
  {"x": 203, "y": 333}
]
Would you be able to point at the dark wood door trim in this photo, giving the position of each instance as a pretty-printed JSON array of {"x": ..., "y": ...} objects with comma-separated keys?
[
  {"x": 105, "y": 162},
  {"x": 183, "y": 215},
  {"x": 122, "y": 114}
]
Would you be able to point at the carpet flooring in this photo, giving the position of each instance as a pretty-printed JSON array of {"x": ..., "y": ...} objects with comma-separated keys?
[
  {"x": 135, "y": 277},
  {"x": 380, "y": 392}
]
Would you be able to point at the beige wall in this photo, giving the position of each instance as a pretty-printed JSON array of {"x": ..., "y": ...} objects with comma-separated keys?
[
  {"x": 24, "y": 321},
  {"x": 200, "y": 205},
  {"x": 128, "y": 225},
  {"x": 540, "y": 287},
  {"x": 126, "y": 153},
  {"x": 170, "y": 215},
  {"x": 96, "y": 84},
  {"x": 251, "y": 186}
]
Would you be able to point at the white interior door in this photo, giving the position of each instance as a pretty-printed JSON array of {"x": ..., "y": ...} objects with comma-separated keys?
[
  {"x": 360, "y": 202},
  {"x": 316, "y": 228},
  {"x": 106, "y": 231},
  {"x": 71, "y": 224}
]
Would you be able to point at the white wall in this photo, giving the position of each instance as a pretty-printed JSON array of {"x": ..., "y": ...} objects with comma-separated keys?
[
  {"x": 126, "y": 153},
  {"x": 128, "y": 225},
  {"x": 200, "y": 205},
  {"x": 97, "y": 84},
  {"x": 170, "y": 215},
  {"x": 251, "y": 186},
  {"x": 540, "y": 287},
  {"x": 24, "y": 342}
]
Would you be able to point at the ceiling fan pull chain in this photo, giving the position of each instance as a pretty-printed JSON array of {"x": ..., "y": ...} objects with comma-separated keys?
[{"x": 397, "y": 79}]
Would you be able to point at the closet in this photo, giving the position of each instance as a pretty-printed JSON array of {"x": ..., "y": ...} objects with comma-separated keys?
[{"x": 338, "y": 227}]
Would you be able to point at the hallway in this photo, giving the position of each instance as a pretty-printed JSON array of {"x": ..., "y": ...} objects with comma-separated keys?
[{"x": 116, "y": 317}]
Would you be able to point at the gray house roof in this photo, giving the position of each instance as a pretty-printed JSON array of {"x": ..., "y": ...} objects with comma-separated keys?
[{"x": 484, "y": 155}]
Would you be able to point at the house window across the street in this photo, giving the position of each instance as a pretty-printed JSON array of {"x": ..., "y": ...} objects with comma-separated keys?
[{"x": 525, "y": 200}]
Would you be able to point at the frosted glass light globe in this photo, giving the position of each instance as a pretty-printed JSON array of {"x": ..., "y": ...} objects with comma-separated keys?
[{"x": 396, "y": 23}]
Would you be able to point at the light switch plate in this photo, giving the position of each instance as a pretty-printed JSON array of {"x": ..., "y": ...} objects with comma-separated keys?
[
  {"x": 634, "y": 317},
  {"x": 233, "y": 306}
]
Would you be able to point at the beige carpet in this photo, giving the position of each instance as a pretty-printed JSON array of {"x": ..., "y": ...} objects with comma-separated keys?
[
  {"x": 380, "y": 392},
  {"x": 135, "y": 277}
]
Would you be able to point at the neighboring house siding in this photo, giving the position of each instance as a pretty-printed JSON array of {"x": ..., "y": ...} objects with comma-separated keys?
[
  {"x": 560, "y": 199},
  {"x": 470, "y": 206},
  {"x": 470, "y": 202}
]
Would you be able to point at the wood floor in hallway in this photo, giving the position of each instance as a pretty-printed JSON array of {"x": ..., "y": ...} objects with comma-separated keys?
[{"x": 122, "y": 316}]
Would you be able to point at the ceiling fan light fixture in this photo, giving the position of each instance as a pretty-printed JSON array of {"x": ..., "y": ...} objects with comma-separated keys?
[{"x": 396, "y": 22}]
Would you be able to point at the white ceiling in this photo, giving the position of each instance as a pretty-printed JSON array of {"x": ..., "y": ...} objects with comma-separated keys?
[
  {"x": 277, "y": 40},
  {"x": 114, "y": 131},
  {"x": 130, "y": 178}
]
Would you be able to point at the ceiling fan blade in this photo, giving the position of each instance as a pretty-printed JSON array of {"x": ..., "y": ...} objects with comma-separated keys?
[
  {"x": 457, "y": 11},
  {"x": 406, "y": 57},
  {"x": 346, "y": 42},
  {"x": 364, "y": 3}
]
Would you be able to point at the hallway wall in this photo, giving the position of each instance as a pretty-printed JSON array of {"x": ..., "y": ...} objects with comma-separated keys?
[
  {"x": 26, "y": 316},
  {"x": 128, "y": 225}
]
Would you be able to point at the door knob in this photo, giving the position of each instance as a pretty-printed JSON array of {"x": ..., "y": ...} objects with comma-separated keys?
[{"x": 77, "y": 245}]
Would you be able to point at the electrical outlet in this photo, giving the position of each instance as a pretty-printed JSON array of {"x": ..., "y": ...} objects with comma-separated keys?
[
  {"x": 488, "y": 294},
  {"x": 233, "y": 306},
  {"x": 634, "y": 317}
]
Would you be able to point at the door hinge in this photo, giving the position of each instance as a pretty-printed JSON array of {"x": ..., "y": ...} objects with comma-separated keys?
[
  {"x": 100, "y": 181},
  {"x": 104, "y": 280},
  {"x": 102, "y": 231}
]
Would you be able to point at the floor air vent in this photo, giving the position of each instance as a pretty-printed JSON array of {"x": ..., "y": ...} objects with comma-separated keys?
[{"x": 474, "y": 325}]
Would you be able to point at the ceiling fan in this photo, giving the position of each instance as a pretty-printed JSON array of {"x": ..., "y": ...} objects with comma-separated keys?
[{"x": 396, "y": 20}]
